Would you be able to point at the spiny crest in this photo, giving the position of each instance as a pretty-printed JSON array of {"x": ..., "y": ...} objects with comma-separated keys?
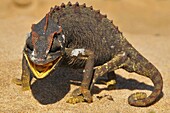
[
  {"x": 63, "y": 5},
  {"x": 69, "y": 3},
  {"x": 76, "y": 4},
  {"x": 45, "y": 24},
  {"x": 98, "y": 15},
  {"x": 98, "y": 11},
  {"x": 84, "y": 5},
  {"x": 111, "y": 21},
  {"x": 51, "y": 10},
  {"x": 91, "y": 7},
  {"x": 56, "y": 8},
  {"x": 32, "y": 27},
  {"x": 105, "y": 16}
]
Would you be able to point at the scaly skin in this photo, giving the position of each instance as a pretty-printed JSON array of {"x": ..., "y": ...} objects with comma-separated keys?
[
  {"x": 135, "y": 62},
  {"x": 80, "y": 37}
]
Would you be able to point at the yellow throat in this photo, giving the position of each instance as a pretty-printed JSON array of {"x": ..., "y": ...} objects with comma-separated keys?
[{"x": 41, "y": 71}]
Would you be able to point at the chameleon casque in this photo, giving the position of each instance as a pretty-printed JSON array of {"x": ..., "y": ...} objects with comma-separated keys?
[{"x": 77, "y": 36}]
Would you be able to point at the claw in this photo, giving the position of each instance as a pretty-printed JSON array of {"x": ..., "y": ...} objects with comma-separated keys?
[
  {"x": 110, "y": 84},
  {"x": 79, "y": 95},
  {"x": 74, "y": 100},
  {"x": 17, "y": 81}
]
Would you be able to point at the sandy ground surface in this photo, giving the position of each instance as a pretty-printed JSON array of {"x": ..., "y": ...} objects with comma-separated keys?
[{"x": 145, "y": 23}]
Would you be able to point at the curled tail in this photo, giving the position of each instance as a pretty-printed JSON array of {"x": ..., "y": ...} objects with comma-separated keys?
[{"x": 138, "y": 64}]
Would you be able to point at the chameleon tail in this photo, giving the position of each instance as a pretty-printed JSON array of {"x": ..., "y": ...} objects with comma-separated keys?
[{"x": 138, "y": 64}]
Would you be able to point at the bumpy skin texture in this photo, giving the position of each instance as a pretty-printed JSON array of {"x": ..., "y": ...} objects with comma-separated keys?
[{"x": 80, "y": 37}]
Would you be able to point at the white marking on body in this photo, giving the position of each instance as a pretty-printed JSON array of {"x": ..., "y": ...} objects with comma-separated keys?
[
  {"x": 104, "y": 40},
  {"x": 76, "y": 52},
  {"x": 28, "y": 35},
  {"x": 62, "y": 41},
  {"x": 33, "y": 55},
  {"x": 124, "y": 53},
  {"x": 33, "y": 58},
  {"x": 63, "y": 38},
  {"x": 112, "y": 46},
  {"x": 49, "y": 57},
  {"x": 47, "y": 51},
  {"x": 106, "y": 65}
]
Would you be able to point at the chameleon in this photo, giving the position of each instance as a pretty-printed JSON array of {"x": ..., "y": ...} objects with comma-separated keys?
[{"x": 80, "y": 37}]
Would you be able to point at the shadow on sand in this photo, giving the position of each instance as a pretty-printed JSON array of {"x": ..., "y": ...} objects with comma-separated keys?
[{"x": 55, "y": 86}]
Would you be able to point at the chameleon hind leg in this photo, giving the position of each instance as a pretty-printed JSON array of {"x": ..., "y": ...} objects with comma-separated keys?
[
  {"x": 109, "y": 67},
  {"x": 83, "y": 93},
  {"x": 26, "y": 76}
]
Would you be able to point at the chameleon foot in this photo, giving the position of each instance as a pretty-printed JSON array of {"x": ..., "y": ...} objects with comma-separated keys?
[
  {"x": 110, "y": 84},
  {"x": 25, "y": 88},
  {"x": 19, "y": 82},
  {"x": 74, "y": 100},
  {"x": 80, "y": 95}
]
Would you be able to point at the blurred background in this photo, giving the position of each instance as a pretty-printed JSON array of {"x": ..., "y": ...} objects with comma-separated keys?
[
  {"x": 144, "y": 23},
  {"x": 132, "y": 16}
]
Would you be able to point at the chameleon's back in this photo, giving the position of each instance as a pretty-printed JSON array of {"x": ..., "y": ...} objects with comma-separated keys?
[{"x": 86, "y": 28}]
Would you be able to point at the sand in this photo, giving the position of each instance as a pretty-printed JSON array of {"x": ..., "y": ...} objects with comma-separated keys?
[{"x": 145, "y": 24}]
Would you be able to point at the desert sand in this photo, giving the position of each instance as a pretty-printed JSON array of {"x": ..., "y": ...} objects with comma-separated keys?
[{"x": 145, "y": 24}]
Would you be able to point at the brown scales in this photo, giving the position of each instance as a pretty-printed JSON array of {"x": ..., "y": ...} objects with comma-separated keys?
[
  {"x": 130, "y": 60},
  {"x": 76, "y": 5},
  {"x": 99, "y": 16},
  {"x": 104, "y": 68}
]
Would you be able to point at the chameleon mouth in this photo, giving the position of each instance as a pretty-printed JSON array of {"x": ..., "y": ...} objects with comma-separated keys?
[{"x": 41, "y": 71}]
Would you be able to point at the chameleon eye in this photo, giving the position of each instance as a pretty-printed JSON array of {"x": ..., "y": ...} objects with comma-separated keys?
[{"x": 56, "y": 46}]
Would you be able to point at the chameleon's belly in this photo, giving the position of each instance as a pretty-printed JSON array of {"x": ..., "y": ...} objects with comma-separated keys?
[
  {"x": 73, "y": 62},
  {"x": 80, "y": 62}
]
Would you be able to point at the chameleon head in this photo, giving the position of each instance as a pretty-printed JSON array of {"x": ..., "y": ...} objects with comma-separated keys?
[{"x": 44, "y": 47}]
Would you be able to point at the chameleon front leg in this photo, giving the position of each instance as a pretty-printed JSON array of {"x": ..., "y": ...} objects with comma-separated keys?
[
  {"x": 83, "y": 93},
  {"x": 26, "y": 76}
]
